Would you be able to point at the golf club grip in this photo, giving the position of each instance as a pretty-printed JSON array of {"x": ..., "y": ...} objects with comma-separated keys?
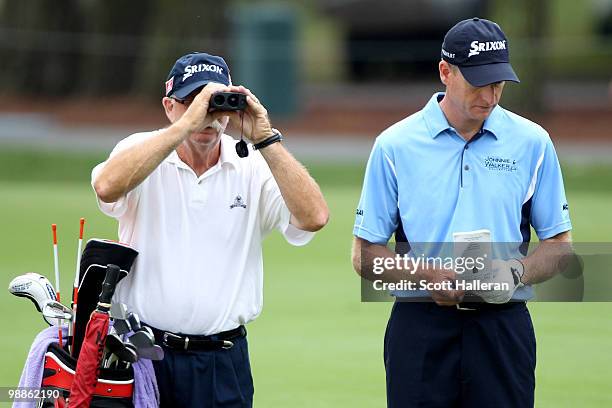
[{"x": 110, "y": 283}]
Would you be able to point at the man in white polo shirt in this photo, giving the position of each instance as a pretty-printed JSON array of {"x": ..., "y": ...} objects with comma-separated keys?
[{"x": 197, "y": 212}]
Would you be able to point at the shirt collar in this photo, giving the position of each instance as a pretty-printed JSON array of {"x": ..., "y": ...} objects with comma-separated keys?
[
  {"x": 437, "y": 123},
  {"x": 493, "y": 122},
  {"x": 228, "y": 153},
  {"x": 434, "y": 117}
]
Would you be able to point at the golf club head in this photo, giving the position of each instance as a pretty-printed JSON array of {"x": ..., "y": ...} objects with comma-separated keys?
[
  {"x": 148, "y": 330},
  {"x": 118, "y": 311},
  {"x": 33, "y": 286},
  {"x": 112, "y": 330},
  {"x": 125, "y": 352},
  {"x": 134, "y": 321},
  {"x": 54, "y": 312},
  {"x": 122, "y": 326},
  {"x": 142, "y": 339},
  {"x": 132, "y": 349},
  {"x": 151, "y": 353},
  {"x": 112, "y": 358}
]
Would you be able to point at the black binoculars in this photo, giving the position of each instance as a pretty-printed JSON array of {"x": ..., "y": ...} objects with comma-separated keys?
[{"x": 228, "y": 101}]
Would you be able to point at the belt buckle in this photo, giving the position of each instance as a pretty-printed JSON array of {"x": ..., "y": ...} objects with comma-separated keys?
[
  {"x": 227, "y": 345},
  {"x": 185, "y": 339},
  {"x": 459, "y": 307}
]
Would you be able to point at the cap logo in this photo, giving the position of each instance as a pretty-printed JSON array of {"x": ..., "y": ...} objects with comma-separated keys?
[
  {"x": 448, "y": 54},
  {"x": 169, "y": 85},
  {"x": 478, "y": 47},
  {"x": 192, "y": 69}
]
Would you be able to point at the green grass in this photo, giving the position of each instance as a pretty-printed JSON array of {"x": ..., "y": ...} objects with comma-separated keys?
[{"x": 315, "y": 344}]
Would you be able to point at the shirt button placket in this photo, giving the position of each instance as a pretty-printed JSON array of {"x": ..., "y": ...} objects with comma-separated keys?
[
  {"x": 199, "y": 193},
  {"x": 467, "y": 167}
]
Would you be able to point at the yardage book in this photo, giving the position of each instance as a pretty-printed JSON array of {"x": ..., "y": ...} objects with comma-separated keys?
[{"x": 474, "y": 248}]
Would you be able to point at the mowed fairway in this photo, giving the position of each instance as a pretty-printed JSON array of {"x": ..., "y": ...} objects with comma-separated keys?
[{"x": 315, "y": 344}]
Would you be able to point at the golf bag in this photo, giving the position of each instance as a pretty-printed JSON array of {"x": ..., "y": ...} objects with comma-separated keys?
[
  {"x": 113, "y": 390},
  {"x": 97, "y": 254}
]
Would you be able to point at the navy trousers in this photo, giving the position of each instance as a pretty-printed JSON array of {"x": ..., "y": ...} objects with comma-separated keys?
[
  {"x": 206, "y": 379},
  {"x": 439, "y": 356}
]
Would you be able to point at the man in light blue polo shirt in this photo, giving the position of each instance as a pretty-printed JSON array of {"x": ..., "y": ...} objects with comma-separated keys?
[{"x": 463, "y": 164}]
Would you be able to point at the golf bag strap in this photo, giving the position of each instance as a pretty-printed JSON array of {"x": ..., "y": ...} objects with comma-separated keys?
[{"x": 219, "y": 341}]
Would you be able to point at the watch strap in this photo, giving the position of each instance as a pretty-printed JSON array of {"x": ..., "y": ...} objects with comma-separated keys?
[{"x": 276, "y": 137}]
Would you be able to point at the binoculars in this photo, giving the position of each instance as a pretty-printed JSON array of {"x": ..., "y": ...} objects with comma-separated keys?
[{"x": 228, "y": 101}]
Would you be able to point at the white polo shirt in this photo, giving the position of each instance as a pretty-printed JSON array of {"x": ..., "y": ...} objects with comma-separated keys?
[{"x": 200, "y": 267}]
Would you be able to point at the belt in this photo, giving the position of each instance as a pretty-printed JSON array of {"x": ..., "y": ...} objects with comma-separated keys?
[
  {"x": 470, "y": 303},
  {"x": 482, "y": 306},
  {"x": 186, "y": 342}
]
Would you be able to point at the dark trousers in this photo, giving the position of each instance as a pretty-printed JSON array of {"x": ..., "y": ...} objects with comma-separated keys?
[
  {"x": 206, "y": 379},
  {"x": 443, "y": 357}
]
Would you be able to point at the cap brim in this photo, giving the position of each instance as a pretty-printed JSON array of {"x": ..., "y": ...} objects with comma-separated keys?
[
  {"x": 481, "y": 75},
  {"x": 185, "y": 91}
]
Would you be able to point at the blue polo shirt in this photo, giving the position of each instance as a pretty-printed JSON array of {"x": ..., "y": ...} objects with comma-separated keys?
[{"x": 423, "y": 182}]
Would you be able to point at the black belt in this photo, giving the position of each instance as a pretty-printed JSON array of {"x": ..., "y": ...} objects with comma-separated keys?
[
  {"x": 470, "y": 303},
  {"x": 481, "y": 306},
  {"x": 219, "y": 341}
]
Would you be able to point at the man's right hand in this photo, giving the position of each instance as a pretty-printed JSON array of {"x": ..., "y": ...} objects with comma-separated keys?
[
  {"x": 197, "y": 118},
  {"x": 442, "y": 297}
]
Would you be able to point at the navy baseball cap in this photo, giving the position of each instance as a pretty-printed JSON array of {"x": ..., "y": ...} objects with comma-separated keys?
[
  {"x": 479, "y": 48},
  {"x": 193, "y": 71}
]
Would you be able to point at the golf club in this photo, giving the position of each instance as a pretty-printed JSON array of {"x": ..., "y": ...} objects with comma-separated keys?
[
  {"x": 125, "y": 352},
  {"x": 57, "y": 278},
  {"x": 133, "y": 349},
  {"x": 118, "y": 313},
  {"x": 134, "y": 321},
  {"x": 75, "y": 286},
  {"x": 142, "y": 339},
  {"x": 151, "y": 353},
  {"x": 107, "y": 354},
  {"x": 54, "y": 313},
  {"x": 122, "y": 326},
  {"x": 149, "y": 330},
  {"x": 33, "y": 286},
  {"x": 110, "y": 359}
]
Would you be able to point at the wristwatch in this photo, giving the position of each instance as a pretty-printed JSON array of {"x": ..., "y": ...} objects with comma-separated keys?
[{"x": 276, "y": 137}]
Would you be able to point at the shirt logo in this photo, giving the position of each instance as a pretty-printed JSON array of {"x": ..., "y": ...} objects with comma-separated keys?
[
  {"x": 565, "y": 207},
  {"x": 359, "y": 212},
  {"x": 238, "y": 202},
  {"x": 192, "y": 69},
  {"x": 500, "y": 164},
  {"x": 478, "y": 47}
]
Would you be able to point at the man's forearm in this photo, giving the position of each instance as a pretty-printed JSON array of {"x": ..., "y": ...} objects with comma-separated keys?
[
  {"x": 552, "y": 256},
  {"x": 300, "y": 192},
  {"x": 364, "y": 256},
  {"x": 365, "y": 253},
  {"x": 127, "y": 169}
]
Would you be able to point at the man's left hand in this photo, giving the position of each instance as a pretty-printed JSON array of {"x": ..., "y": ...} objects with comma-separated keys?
[
  {"x": 256, "y": 124},
  {"x": 508, "y": 274}
]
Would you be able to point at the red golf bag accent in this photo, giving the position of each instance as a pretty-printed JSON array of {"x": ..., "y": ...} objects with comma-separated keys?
[{"x": 114, "y": 388}]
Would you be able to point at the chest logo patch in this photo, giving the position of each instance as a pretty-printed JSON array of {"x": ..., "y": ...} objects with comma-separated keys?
[
  {"x": 238, "y": 202},
  {"x": 497, "y": 163}
]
